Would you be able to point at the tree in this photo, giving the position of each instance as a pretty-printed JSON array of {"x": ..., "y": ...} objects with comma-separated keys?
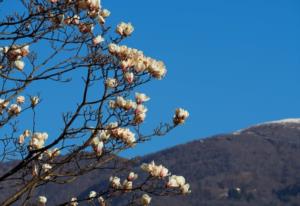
[{"x": 106, "y": 120}]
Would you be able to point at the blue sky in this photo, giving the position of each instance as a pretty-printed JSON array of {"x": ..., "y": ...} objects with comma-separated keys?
[{"x": 231, "y": 63}]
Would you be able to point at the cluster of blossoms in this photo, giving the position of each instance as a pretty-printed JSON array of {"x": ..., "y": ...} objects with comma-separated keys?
[
  {"x": 123, "y": 134},
  {"x": 94, "y": 11},
  {"x": 22, "y": 137},
  {"x": 180, "y": 116},
  {"x": 100, "y": 199},
  {"x": 115, "y": 182},
  {"x": 15, "y": 108},
  {"x": 119, "y": 133},
  {"x": 38, "y": 140},
  {"x": 14, "y": 54},
  {"x": 155, "y": 170},
  {"x": 137, "y": 106},
  {"x": 124, "y": 29},
  {"x": 179, "y": 182},
  {"x": 134, "y": 59},
  {"x": 161, "y": 172}
]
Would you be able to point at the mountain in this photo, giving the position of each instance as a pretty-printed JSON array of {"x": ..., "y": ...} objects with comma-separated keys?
[{"x": 254, "y": 166}]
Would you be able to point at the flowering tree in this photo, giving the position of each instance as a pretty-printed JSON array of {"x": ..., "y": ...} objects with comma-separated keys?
[{"x": 105, "y": 122}]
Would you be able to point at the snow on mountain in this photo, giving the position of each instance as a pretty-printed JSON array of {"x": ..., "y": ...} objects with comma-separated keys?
[{"x": 287, "y": 121}]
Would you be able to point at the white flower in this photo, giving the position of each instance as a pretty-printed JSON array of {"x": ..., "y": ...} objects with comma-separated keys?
[
  {"x": 127, "y": 185},
  {"x": 111, "y": 82},
  {"x": 3, "y": 103},
  {"x": 145, "y": 200},
  {"x": 19, "y": 65},
  {"x": 73, "y": 201},
  {"x": 20, "y": 99},
  {"x": 21, "y": 139},
  {"x": 25, "y": 50},
  {"x": 38, "y": 140},
  {"x": 14, "y": 109},
  {"x": 105, "y": 13},
  {"x": 121, "y": 102},
  {"x": 185, "y": 189},
  {"x": 140, "y": 97},
  {"x": 180, "y": 116},
  {"x": 46, "y": 167},
  {"x": 132, "y": 176},
  {"x": 42, "y": 200},
  {"x": 115, "y": 182},
  {"x": 34, "y": 101},
  {"x": 113, "y": 48},
  {"x": 176, "y": 181},
  {"x": 129, "y": 77},
  {"x": 98, "y": 39},
  {"x": 155, "y": 170},
  {"x": 157, "y": 69},
  {"x": 101, "y": 201},
  {"x": 98, "y": 148},
  {"x": 92, "y": 194},
  {"x": 103, "y": 135},
  {"x": 124, "y": 29}
]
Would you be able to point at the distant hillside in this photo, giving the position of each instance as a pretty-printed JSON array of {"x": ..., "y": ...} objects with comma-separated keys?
[{"x": 256, "y": 166}]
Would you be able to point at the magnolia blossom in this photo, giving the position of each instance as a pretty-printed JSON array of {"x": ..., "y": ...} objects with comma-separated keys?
[
  {"x": 22, "y": 137},
  {"x": 73, "y": 201},
  {"x": 42, "y": 200},
  {"x": 53, "y": 1},
  {"x": 140, "y": 114},
  {"x": 121, "y": 103},
  {"x": 132, "y": 176},
  {"x": 124, "y": 29},
  {"x": 101, "y": 201},
  {"x": 52, "y": 153},
  {"x": 103, "y": 135},
  {"x": 38, "y": 140},
  {"x": 140, "y": 98},
  {"x": 34, "y": 101},
  {"x": 145, "y": 200},
  {"x": 129, "y": 77},
  {"x": 185, "y": 189},
  {"x": 115, "y": 182},
  {"x": 3, "y": 103},
  {"x": 20, "y": 99},
  {"x": 125, "y": 135},
  {"x": 105, "y": 13},
  {"x": 157, "y": 69},
  {"x": 14, "y": 109},
  {"x": 72, "y": 20},
  {"x": 46, "y": 167},
  {"x": 155, "y": 170},
  {"x": 19, "y": 65},
  {"x": 127, "y": 185},
  {"x": 179, "y": 182},
  {"x": 92, "y": 194},
  {"x": 15, "y": 52},
  {"x": 130, "y": 57},
  {"x": 98, "y": 39},
  {"x": 180, "y": 116},
  {"x": 85, "y": 28},
  {"x": 97, "y": 145},
  {"x": 111, "y": 82}
]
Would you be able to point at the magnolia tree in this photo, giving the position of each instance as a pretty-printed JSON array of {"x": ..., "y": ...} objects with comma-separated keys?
[{"x": 74, "y": 37}]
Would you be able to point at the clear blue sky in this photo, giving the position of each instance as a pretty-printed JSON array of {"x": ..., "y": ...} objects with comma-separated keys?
[{"x": 231, "y": 63}]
